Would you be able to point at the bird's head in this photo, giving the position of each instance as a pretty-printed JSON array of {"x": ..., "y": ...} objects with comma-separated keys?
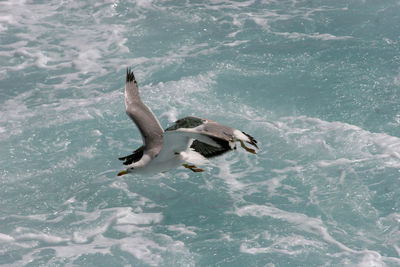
[
  {"x": 128, "y": 170},
  {"x": 137, "y": 166}
]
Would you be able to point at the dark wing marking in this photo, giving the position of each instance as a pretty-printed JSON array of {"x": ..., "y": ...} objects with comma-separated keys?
[
  {"x": 252, "y": 140},
  {"x": 134, "y": 157},
  {"x": 187, "y": 122},
  {"x": 210, "y": 151}
]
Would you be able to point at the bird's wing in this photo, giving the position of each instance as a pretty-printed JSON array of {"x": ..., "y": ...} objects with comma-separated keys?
[
  {"x": 143, "y": 117},
  {"x": 210, "y": 139},
  {"x": 134, "y": 157},
  {"x": 187, "y": 122},
  {"x": 176, "y": 142},
  {"x": 209, "y": 151},
  {"x": 208, "y": 128},
  {"x": 226, "y": 133}
]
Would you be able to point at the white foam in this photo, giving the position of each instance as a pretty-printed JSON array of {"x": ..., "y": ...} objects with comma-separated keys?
[
  {"x": 313, "y": 198},
  {"x": 396, "y": 79},
  {"x": 337, "y": 162},
  {"x": 150, "y": 252},
  {"x": 18, "y": 116},
  {"x": 397, "y": 248},
  {"x": 143, "y": 249},
  {"x": 73, "y": 251},
  {"x": 6, "y": 238},
  {"x": 311, "y": 225},
  {"x": 288, "y": 169},
  {"x": 289, "y": 245},
  {"x": 371, "y": 259},
  {"x": 229, "y": 176},
  {"x": 97, "y": 133},
  {"x": 87, "y": 60},
  {"x": 275, "y": 183},
  {"x": 94, "y": 224},
  {"x": 350, "y": 140},
  {"x": 88, "y": 152},
  {"x": 390, "y": 41},
  {"x": 236, "y": 43},
  {"x": 148, "y": 4},
  {"x": 51, "y": 239},
  {"x": 183, "y": 229},
  {"x": 140, "y": 218},
  {"x": 263, "y": 22},
  {"x": 171, "y": 115},
  {"x": 139, "y": 201},
  {"x": 88, "y": 237},
  {"x": 317, "y": 36}
]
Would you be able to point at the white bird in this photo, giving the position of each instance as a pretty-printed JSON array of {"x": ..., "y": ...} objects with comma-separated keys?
[{"x": 188, "y": 142}]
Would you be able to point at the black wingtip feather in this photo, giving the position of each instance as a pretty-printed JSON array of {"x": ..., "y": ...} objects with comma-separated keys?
[
  {"x": 130, "y": 77},
  {"x": 209, "y": 151},
  {"x": 134, "y": 157},
  {"x": 252, "y": 140}
]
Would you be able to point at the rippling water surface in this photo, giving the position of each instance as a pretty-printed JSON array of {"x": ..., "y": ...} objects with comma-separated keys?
[{"x": 316, "y": 82}]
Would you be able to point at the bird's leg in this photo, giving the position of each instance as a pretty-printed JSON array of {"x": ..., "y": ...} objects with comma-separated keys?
[
  {"x": 193, "y": 168},
  {"x": 247, "y": 148},
  {"x": 188, "y": 166}
]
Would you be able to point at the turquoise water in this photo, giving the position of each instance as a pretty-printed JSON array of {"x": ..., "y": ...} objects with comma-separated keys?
[{"x": 317, "y": 83}]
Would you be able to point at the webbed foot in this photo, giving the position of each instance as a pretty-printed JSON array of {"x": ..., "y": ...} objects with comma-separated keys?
[
  {"x": 193, "y": 168},
  {"x": 248, "y": 149}
]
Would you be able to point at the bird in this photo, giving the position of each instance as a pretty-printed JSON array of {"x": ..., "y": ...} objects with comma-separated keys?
[{"x": 189, "y": 142}]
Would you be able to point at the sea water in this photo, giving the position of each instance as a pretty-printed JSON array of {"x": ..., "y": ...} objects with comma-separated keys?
[{"x": 317, "y": 83}]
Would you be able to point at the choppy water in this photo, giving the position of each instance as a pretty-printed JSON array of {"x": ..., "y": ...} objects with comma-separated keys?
[{"x": 316, "y": 82}]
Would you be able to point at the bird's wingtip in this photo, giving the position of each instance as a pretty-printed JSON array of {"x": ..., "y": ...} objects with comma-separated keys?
[
  {"x": 130, "y": 77},
  {"x": 252, "y": 140}
]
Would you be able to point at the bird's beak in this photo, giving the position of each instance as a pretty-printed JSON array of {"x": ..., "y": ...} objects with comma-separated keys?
[{"x": 122, "y": 173}]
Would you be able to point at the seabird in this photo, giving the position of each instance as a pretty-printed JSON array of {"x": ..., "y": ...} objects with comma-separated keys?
[{"x": 190, "y": 141}]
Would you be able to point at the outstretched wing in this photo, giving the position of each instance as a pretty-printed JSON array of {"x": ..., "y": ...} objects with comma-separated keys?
[{"x": 143, "y": 117}]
